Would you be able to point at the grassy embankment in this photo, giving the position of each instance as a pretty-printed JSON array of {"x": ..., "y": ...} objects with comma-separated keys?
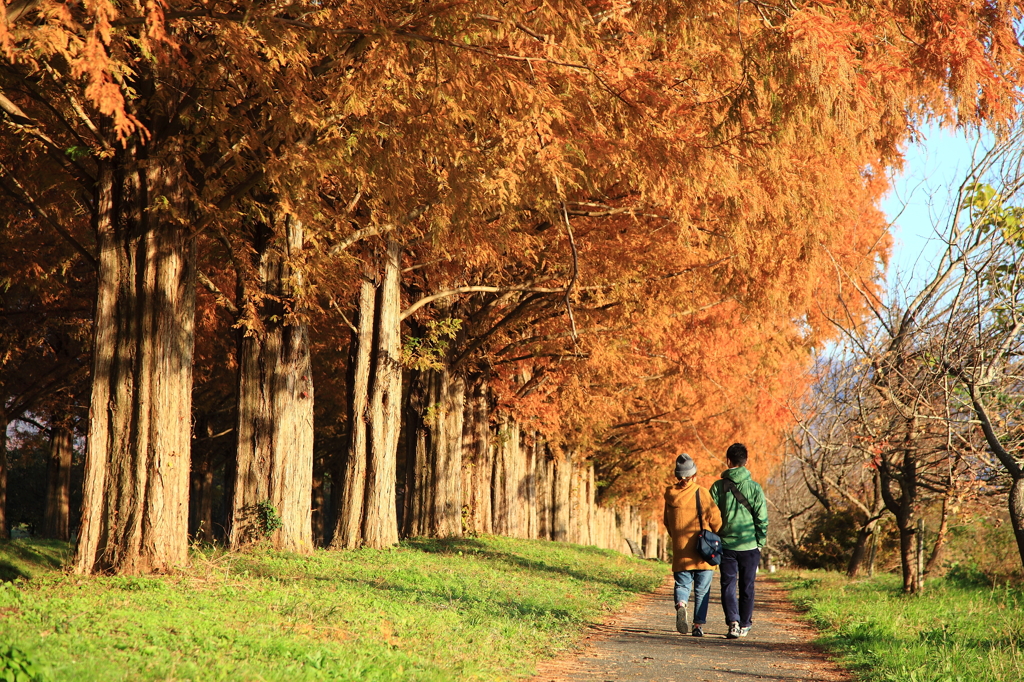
[
  {"x": 961, "y": 629},
  {"x": 473, "y": 609}
]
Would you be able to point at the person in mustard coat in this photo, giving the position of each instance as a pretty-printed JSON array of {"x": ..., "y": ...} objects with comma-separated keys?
[{"x": 690, "y": 570}]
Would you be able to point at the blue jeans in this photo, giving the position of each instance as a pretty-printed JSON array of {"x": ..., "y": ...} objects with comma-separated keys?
[{"x": 701, "y": 583}]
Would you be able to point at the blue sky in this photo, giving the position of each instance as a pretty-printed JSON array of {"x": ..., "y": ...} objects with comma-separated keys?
[{"x": 919, "y": 199}]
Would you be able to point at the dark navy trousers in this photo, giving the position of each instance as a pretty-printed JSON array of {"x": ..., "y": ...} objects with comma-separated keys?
[{"x": 739, "y": 567}]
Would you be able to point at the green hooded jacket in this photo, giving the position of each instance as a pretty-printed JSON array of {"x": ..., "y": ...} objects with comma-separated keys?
[{"x": 739, "y": 531}]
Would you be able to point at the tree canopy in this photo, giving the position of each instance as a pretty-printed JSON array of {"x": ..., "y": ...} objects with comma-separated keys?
[{"x": 630, "y": 220}]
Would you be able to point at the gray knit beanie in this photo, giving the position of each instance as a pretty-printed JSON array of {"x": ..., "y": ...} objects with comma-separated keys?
[{"x": 685, "y": 466}]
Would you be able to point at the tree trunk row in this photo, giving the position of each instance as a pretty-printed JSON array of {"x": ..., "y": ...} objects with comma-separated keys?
[
  {"x": 57, "y": 517},
  {"x": 467, "y": 475},
  {"x": 463, "y": 473}
]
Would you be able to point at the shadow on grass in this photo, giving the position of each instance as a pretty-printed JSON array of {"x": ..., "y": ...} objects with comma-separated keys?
[
  {"x": 47, "y": 555},
  {"x": 428, "y": 596},
  {"x": 482, "y": 550},
  {"x": 9, "y": 572}
]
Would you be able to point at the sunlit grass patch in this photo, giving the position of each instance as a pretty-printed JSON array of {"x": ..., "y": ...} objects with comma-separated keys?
[
  {"x": 30, "y": 558},
  {"x": 477, "y": 608},
  {"x": 956, "y": 631}
]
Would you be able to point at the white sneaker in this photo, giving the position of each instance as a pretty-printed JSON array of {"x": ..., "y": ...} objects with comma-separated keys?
[
  {"x": 744, "y": 631},
  {"x": 682, "y": 620},
  {"x": 734, "y": 630}
]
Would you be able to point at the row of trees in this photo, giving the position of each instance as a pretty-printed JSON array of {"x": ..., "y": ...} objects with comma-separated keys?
[
  {"x": 920, "y": 407},
  {"x": 617, "y": 226}
]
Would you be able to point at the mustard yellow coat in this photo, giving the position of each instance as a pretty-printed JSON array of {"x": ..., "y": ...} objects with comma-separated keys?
[{"x": 682, "y": 524}]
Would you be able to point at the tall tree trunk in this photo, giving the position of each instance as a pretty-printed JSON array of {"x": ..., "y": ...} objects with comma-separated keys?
[
  {"x": 906, "y": 522},
  {"x": 351, "y": 492},
  {"x": 482, "y": 462},
  {"x": 502, "y": 523},
  {"x": 274, "y": 468},
  {"x": 380, "y": 523},
  {"x": 135, "y": 495},
  {"x": 530, "y": 485},
  {"x": 908, "y": 556},
  {"x": 57, "y": 519},
  {"x": 575, "y": 502},
  {"x": 517, "y": 483},
  {"x": 545, "y": 483},
  {"x": 867, "y": 531},
  {"x": 1016, "y": 506},
  {"x": 650, "y": 539},
  {"x": 561, "y": 496},
  {"x": 501, "y": 505},
  {"x": 448, "y": 402},
  {"x": 419, "y": 484},
  {"x": 865, "y": 536},
  {"x": 470, "y": 494},
  {"x": 589, "y": 501},
  {"x": 904, "y": 509},
  {"x": 509, "y": 474}
]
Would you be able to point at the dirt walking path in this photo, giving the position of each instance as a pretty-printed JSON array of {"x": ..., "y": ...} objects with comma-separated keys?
[{"x": 641, "y": 643}]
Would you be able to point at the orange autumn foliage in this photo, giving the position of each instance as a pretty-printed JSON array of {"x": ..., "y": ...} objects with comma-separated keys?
[{"x": 719, "y": 167}]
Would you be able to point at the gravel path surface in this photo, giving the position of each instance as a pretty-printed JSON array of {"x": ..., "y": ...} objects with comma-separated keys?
[{"x": 641, "y": 643}]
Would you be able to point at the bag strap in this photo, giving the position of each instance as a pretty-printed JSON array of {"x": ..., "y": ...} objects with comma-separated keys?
[
  {"x": 731, "y": 486},
  {"x": 700, "y": 512}
]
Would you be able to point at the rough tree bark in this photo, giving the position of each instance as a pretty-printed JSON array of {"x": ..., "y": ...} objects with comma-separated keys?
[
  {"x": 530, "y": 487},
  {"x": 135, "y": 494},
  {"x": 418, "y": 471},
  {"x": 904, "y": 510},
  {"x": 509, "y": 477},
  {"x": 434, "y": 490},
  {"x": 500, "y": 523},
  {"x": 545, "y": 483},
  {"x": 1016, "y": 505},
  {"x": 866, "y": 533},
  {"x": 590, "y": 501},
  {"x": 274, "y": 466},
  {"x": 380, "y": 522},
  {"x": 447, "y": 399},
  {"x": 561, "y": 501},
  {"x": 575, "y": 502},
  {"x": 481, "y": 462},
  {"x": 351, "y": 492},
  {"x": 57, "y": 518}
]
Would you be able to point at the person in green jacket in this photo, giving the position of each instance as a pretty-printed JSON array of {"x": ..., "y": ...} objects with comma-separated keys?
[{"x": 744, "y": 532}]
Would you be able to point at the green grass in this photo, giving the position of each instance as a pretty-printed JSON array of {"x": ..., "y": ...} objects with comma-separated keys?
[
  {"x": 958, "y": 630},
  {"x": 29, "y": 558},
  {"x": 473, "y": 609}
]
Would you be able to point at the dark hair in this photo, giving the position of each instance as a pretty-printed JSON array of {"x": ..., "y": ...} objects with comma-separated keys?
[{"x": 737, "y": 454}]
